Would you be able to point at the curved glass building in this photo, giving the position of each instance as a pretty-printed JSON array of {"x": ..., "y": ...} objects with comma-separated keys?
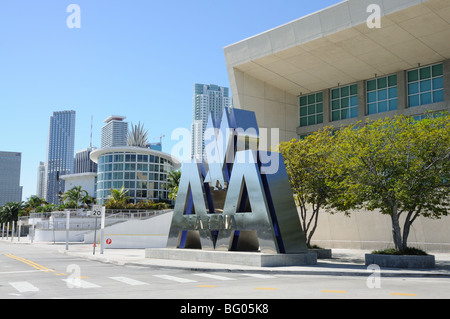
[{"x": 142, "y": 171}]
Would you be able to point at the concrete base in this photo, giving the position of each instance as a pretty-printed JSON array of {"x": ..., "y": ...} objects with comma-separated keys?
[
  {"x": 322, "y": 253},
  {"x": 401, "y": 261},
  {"x": 234, "y": 258}
]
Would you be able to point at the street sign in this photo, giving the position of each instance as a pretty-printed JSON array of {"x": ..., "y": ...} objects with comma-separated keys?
[
  {"x": 96, "y": 211},
  {"x": 109, "y": 241}
]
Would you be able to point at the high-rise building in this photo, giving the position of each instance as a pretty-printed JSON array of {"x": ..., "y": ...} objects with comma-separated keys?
[
  {"x": 10, "y": 189},
  {"x": 83, "y": 163},
  {"x": 208, "y": 99},
  {"x": 40, "y": 186},
  {"x": 84, "y": 173},
  {"x": 114, "y": 132},
  {"x": 60, "y": 151}
]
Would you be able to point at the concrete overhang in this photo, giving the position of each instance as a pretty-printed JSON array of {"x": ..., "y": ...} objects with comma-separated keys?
[
  {"x": 77, "y": 176},
  {"x": 335, "y": 46}
]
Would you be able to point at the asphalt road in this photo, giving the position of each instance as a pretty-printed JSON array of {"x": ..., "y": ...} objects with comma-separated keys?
[{"x": 30, "y": 272}]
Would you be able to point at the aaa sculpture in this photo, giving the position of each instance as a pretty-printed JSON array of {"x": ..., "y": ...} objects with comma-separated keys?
[{"x": 239, "y": 199}]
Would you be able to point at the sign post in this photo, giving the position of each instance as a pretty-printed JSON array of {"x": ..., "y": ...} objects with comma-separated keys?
[
  {"x": 102, "y": 232},
  {"x": 67, "y": 229},
  {"x": 12, "y": 230},
  {"x": 97, "y": 211}
]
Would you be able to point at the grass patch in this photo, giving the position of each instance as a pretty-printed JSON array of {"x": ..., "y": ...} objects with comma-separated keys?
[{"x": 408, "y": 252}]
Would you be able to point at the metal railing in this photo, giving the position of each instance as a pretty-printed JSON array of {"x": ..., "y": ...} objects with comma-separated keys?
[
  {"x": 133, "y": 214},
  {"x": 84, "y": 222}
]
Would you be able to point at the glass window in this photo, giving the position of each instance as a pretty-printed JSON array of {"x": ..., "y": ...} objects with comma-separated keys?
[
  {"x": 130, "y": 175},
  {"x": 142, "y": 167},
  {"x": 118, "y": 158},
  {"x": 117, "y": 175},
  {"x": 118, "y": 167},
  {"x": 382, "y": 94},
  {"x": 130, "y": 184},
  {"x": 130, "y": 158},
  {"x": 426, "y": 85},
  {"x": 142, "y": 158},
  {"x": 344, "y": 102},
  {"x": 311, "y": 109},
  {"x": 117, "y": 184}
]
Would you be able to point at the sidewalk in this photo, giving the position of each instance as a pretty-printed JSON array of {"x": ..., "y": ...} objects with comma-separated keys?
[{"x": 345, "y": 262}]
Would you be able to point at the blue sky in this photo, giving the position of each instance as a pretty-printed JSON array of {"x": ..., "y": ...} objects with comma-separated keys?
[{"x": 137, "y": 58}]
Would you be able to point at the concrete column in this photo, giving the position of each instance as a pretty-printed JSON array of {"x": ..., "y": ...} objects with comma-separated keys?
[
  {"x": 446, "y": 80},
  {"x": 362, "y": 98},
  {"x": 326, "y": 107},
  {"x": 402, "y": 91}
]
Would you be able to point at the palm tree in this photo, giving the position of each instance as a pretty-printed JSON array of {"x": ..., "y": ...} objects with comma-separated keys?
[
  {"x": 32, "y": 204},
  {"x": 35, "y": 201},
  {"x": 118, "y": 198},
  {"x": 10, "y": 212},
  {"x": 76, "y": 196},
  {"x": 137, "y": 136},
  {"x": 174, "y": 180}
]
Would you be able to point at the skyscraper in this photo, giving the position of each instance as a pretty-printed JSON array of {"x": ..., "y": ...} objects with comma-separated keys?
[
  {"x": 207, "y": 99},
  {"x": 60, "y": 153},
  {"x": 83, "y": 163},
  {"x": 10, "y": 189},
  {"x": 40, "y": 185},
  {"x": 114, "y": 132}
]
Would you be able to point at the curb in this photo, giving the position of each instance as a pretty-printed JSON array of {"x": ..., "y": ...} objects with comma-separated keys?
[{"x": 363, "y": 272}]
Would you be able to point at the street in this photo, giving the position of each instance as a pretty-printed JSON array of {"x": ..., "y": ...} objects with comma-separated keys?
[{"x": 30, "y": 272}]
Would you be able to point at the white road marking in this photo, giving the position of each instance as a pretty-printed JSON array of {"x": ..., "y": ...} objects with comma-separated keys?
[
  {"x": 18, "y": 272},
  {"x": 214, "y": 277},
  {"x": 78, "y": 283},
  {"x": 173, "y": 278},
  {"x": 24, "y": 286},
  {"x": 262, "y": 276},
  {"x": 129, "y": 281}
]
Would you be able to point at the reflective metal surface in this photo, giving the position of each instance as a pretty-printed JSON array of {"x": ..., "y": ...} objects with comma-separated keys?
[{"x": 233, "y": 201}]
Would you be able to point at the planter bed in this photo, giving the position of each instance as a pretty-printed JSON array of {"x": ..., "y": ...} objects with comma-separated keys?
[{"x": 401, "y": 261}]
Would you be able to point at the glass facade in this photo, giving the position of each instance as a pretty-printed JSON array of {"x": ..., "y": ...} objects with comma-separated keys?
[
  {"x": 422, "y": 86},
  {"x": 426, "y": 85},
  {"x": 143, "y": 175},
  {"x": 10, "y": 189},
  {"x": 311, "y": 109},
  {"x": 344, "y": 102},
  {"x": 60, "y": 153},
  {"x": 382, "y": 94}
]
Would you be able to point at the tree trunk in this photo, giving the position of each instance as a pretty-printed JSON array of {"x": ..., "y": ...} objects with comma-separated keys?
[
  {"x": 315, "y": 218},
  {"x": 407, "y": 227},
  {"x": 303, "y": 220},
  {"x": 396, "y": 230}
]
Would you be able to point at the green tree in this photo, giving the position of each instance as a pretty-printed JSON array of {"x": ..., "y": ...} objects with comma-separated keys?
[
  {"x": 11, "y": 212},
  {"x": 75, "y": 197},
  {"x": 118, "y": 199},
  {"x": 308, "y": 167},
  {"x": 35, "y": 201},
  {"x": 397, "y": 165},
  {"x": 173, "y": 179},
  {"x": 32, "y": 204}
]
